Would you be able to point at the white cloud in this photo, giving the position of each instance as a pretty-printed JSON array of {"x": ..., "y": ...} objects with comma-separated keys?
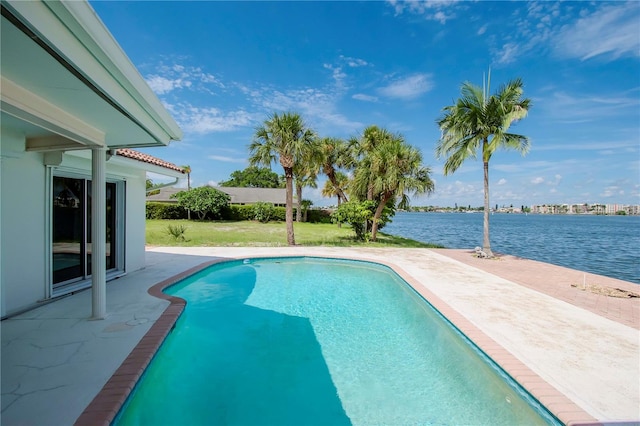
[
  {"x": 628, "y": 146},
  {"x": 611, "y": 31},
  {"x": 502, "y": 181},
  {"x": 537, "y": 180},
  {"x": 408, "y": 87},
  {"x": 366, "y": 98},
  {"x": 508, "y": 53},
  {"x": 566, "y": 108},
  {"x": 353, "y": 62},
  {"x": 556, "y": 181},
  {"x": 432, "y": 10},
  {"x": 317, "y": 106},
  {"x": 611, "y": 191},
  {"x": 167, "y": 78},
  {"x": 338, "y": 74},
  {"x": 210, "y": 120},
  {"x": 458, "y": 189},
  {"x": 581, "y": 30},
  {"x": 162, "y": 85},
  {"x": 227, "y": 159}
]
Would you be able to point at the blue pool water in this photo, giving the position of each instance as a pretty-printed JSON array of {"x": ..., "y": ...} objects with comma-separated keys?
[{"x": 293, "y": 341}]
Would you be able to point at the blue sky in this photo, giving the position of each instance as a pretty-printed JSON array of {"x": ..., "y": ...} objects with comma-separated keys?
[{"x": 221, "y": 68}]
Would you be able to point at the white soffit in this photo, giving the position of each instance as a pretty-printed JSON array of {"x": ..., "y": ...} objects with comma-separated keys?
[
  {"x": 29, "y": 107},
  {"x": 114, "y": 96}
]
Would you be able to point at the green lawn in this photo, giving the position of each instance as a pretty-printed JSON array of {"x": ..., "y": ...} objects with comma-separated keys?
[{"x": 256, "y": 234}]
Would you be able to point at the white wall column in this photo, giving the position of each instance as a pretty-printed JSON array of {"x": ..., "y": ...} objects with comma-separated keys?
[{"x": 98, "y": 233}]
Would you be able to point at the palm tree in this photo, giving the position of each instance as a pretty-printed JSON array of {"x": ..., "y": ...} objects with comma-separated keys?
[
  {"x": 303, "y": 179},
  {"x": 340, "y": 186},
  {"x": 284, "y": 138},
  {"x": 187, "y": 170},
  {"x": 334, "y": 154},
  {"x": 391, "y": 171},
  {"x": 480, "y": 122},
  {"x": 360, "y": 149}
]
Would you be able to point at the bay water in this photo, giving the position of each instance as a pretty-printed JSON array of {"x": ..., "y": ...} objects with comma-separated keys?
[{"x": 605, "y": 245}]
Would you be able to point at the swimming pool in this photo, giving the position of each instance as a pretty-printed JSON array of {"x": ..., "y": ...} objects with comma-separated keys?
[{"x": 318, "y": 341}]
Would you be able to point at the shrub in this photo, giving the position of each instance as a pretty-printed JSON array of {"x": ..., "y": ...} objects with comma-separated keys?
[
  {"x": 263, "y": 211},
  {"x": 359, "y": 214},
  {"x": 155, "y": 210},
  {"x": 238, "y": 212},
  {"x": 280, "y": 214},
  {"x": 177, "y": 232},
  {"x": 204, "y": 201},
  {"x": 319, "y": 216}
]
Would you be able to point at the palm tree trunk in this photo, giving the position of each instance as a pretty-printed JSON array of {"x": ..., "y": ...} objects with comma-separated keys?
[
  {"x": 299, "y": 208},
  {"x": 377, "y": 215},
  {"x": 330, "y": 172},
  {"x": 486, "y": 245},
  {"x": 370, "y": 193},
  {"x": 189, "y": 189},
  {"x": 289, "y": 207}
]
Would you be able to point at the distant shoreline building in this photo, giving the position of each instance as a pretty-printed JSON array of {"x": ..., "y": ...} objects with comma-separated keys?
[
  {"x": 565, "y": 209},
  {"x": 597, "y": 209}
]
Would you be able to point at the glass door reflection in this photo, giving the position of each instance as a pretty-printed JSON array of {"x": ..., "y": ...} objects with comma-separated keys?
[
  {"x": 68, "y": 229},
  {"x": 71, "y": 229}
]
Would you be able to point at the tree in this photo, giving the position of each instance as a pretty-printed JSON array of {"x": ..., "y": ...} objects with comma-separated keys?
[
  {"x": 334, "y": 189},
  {"x": 187, "y": 170},
  {"x": 305, "y": 172},
  {"x": 284, "y": 138},
  {"x": 480, "y": 122},
  {"x": 149, "y": 188},
  {"x": 254, "y": 177},
  {"x": 359, "y": 151},
  {"x": 305, "y": 205},
  {"x": 203, "y": 200},
  {"x": 334, "y": 154},
  {"x": 359, "y": 214},
  {"x": 390, "y": 171},
  {"x": 303, "y": 179}
]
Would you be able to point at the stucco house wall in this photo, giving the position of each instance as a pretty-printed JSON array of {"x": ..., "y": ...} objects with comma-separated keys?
[
  {"x": 71, "y": 102},
  {"x": 22, "y": 260},
  {"x": 25, "y": 217}
]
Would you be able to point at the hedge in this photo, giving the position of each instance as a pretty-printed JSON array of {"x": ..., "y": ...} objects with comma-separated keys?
[
  {"x": 318, "y": 216},
  {"x": 157, "y": 210}
]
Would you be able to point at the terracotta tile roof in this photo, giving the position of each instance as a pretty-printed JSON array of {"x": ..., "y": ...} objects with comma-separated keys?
[{"x": 146, "y": 158}]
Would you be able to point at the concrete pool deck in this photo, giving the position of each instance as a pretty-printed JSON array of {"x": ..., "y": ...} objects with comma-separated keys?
[{"x": 577, "y": 352}]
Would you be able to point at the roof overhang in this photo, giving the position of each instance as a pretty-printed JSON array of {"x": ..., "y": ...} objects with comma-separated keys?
[{"x": 67, "y": 84}]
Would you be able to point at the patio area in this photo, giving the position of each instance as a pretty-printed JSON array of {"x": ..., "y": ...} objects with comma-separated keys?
[{"x": 576, "y": 353}]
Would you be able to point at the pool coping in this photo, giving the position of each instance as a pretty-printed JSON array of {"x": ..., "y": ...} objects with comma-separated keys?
[{"x": 103, "y": 409}]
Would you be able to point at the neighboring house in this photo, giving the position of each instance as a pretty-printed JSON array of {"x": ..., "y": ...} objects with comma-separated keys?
[
  {"x": 276, "y": 196},
  {"x": 72, "y": 196}
]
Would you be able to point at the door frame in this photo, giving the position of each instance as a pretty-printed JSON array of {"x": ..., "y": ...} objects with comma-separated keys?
[{"x": 119, "y": 231}]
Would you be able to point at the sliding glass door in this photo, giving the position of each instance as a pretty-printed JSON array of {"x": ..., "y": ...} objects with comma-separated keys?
[
  {"x": 71, "y": 229},
  {"x": 69, "y": 226}
]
